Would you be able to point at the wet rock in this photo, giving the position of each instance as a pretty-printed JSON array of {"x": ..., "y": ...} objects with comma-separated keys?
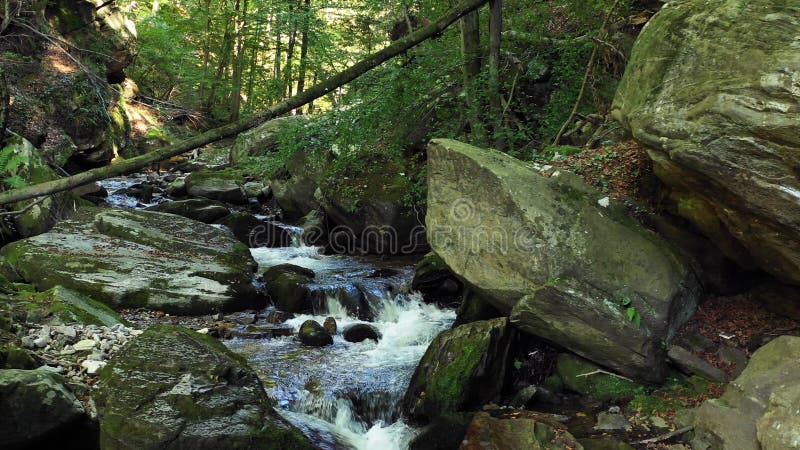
[
  {"x": 255, "y": 232},
  {"x": 435, "y": 281},
  {"x": 287, "y": 287},
  {"x": 37, "y": 406},
  {"x": 354, "y": 301},
  {"x": 582, "y": 377},
  {"x": 313, "y": 334},
  {"x": 487, "y": 432},
  {"x": 330, "y": 325},
  {"x": 612, "y": 421},
  {"x": 60, "y": 305},
  {"x": 554, "y": 277},
  {"x": 361, "y": 332},
  {"x": 460, "y": 370},
  {"x": 132, "y": 259},
  {"x": 692, "y": 364},
  {"x": 445, "y": 432},
  {"x": 205, "y": 184},
  {"x": 202, "y": 210},
  {"x": 758, "y": 410},
  {"x": 315, "y": 229},
  {"x": 177, "y": 188},
  {"x": 174, "y": 388},
  {"x": 710, "y": 91}
]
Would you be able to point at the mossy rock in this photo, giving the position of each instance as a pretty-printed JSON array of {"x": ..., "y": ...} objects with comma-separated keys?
[
  {"x": 444, "y": 432},
  {"x": 13, "y": 357},
  {"x": 287, "y": 287},
  {"x": 37, "y": 406},
  {"x": 202, "y": 210},
  {"x": 60, "y": 305},
  {"x": 572, "y": 370},
  {"x": 462, "y": 369},
  {"x": 130, "y": 259},
  {"x": 174, "y": 388},
  {"x": 509, "y": 433}
]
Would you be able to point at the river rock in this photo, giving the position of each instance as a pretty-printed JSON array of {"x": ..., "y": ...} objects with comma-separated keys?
[
  {"x": 37, "y": 406},
  {"x": 199, "y": 209},
  {"x": 263, "y": 139},
  {"x": 361, "y": 332},
  {"x": 130, "y": 259},
  {"x": 435, "y": 281},
  {"x": 174, "y": 388},
  {"x": 287, "y": 287},
  {"x": 711, "y": 89},
  {"x": 564, "y": 267},
  {"x": 462, "y": 369},
  {"x": 330, "y": 325},
  {"x": 209, "y": 184},
  {"x": 255, "y": 232},
  {"x": 60, "y": 305},
  {"x": 514, "y": 433},
  {"x": 313, "y": 334},
  {"x": 758, "y": 410}
]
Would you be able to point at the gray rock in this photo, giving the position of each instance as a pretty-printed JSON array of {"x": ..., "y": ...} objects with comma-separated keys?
[
  {"x": 202, "y": 210},
  {"x": 36, "y": 404},
  {"x": 561, "y": 265},
  {"x": 689, "y": 362},
  {"x": 711, "y": 90},
  {"x": 203, "y": 184},
  {"x": 758, "y": 410},
  {"x": 127, "y": 258},
  {"x": 607, "y": 421}
]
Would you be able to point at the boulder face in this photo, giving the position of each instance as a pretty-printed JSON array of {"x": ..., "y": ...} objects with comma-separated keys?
[
  {"x": 174, "y": 388},
  {"x": 130, "y": 259},
  {"x": 759, "y": 408},
  {"x": 36, "y": 407},
  {"x": 712, "y": 89},
  {"x": 548, "y": 252}
]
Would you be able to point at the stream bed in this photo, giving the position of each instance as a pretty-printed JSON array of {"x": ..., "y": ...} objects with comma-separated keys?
[{"x": 344, "y": 396}]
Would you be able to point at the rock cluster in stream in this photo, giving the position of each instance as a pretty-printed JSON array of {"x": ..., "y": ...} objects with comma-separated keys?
[{"x": 77, "y": 352}]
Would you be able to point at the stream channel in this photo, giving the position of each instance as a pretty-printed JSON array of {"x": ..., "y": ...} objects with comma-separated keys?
[{"x": 344, "y": 396}]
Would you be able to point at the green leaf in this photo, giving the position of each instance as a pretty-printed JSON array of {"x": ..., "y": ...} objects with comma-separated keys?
[
  {"x": 15, "y": 182},
  {"x": 517, "y": 364},
  {"x": 625, "y": 301}
]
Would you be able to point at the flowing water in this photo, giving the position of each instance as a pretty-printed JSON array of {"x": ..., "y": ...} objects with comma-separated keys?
[{"x": 343, "y": 396}]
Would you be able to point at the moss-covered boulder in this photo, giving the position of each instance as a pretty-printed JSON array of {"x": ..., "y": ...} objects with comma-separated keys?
[
  {"x": 129, "y": 259},
  {"x": 711, "y": 89},
  {"x": 513, "y": 433},
  {"x": 38, "y": 409},
  {"x": 222, "y": 186},
  {"x": 313, "y": 334},
  {"x": 263, "y": 139},
  {"x": 202, "y": 210},
  {"x": 174, "y": 388},
  {"x": 371, "y": 213},
  {"x": 582, "y": 377},
  {"x": 565, "y": 265},
  {"x": 287, "y": 286},
  {"x": 759, "y": 409},
  {"x": 462, "y": 369},
  {"x": 59, "y": 306}
]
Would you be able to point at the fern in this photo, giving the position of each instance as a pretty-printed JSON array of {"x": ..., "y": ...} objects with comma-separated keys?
[{"x": 15, "y": 182}]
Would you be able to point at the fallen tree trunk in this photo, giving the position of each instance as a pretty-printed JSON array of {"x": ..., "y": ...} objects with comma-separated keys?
[{"x": 131, "y": 165}]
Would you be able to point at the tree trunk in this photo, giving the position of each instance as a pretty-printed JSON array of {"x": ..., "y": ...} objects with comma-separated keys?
[
  {"x": 287, "y": 71},
  {"x": 206, "y": 51},
  {"x": 251, "y": 76},
  {"x": 238, "y": 65},
  {"x": 495, "y": 101},
  {"x": 471, "y": 52},
  {"x": 301, "y": 77},
  {"x": 131, "y": 165},
  {"x": 222, "y": 64}
]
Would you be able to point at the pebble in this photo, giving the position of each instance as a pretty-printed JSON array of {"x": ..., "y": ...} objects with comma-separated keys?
[
  {"x": 92, "y": 366},
  {"x": 84, "y": 345},
  {"x": 66, "y": 331}
]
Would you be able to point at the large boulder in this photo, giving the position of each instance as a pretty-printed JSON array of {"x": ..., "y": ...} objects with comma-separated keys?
[
  {"x": 174, "y": 388},
  {"x": 564, "y": 262},
  {"x": 255, "y": 232},
  {"x": 711, "y": 89},
  {"x": 216, "y": 186},
  {"x": 129, "y": 259},
  {"x": 462, "y": 369},
  {"x": 263, "y": 139},
  {"x": 38, "y": 409},
  {"x": 200, "y": 209},
  {"x": 759, "y": 409},
  {"x": 287, "y": 287}
]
